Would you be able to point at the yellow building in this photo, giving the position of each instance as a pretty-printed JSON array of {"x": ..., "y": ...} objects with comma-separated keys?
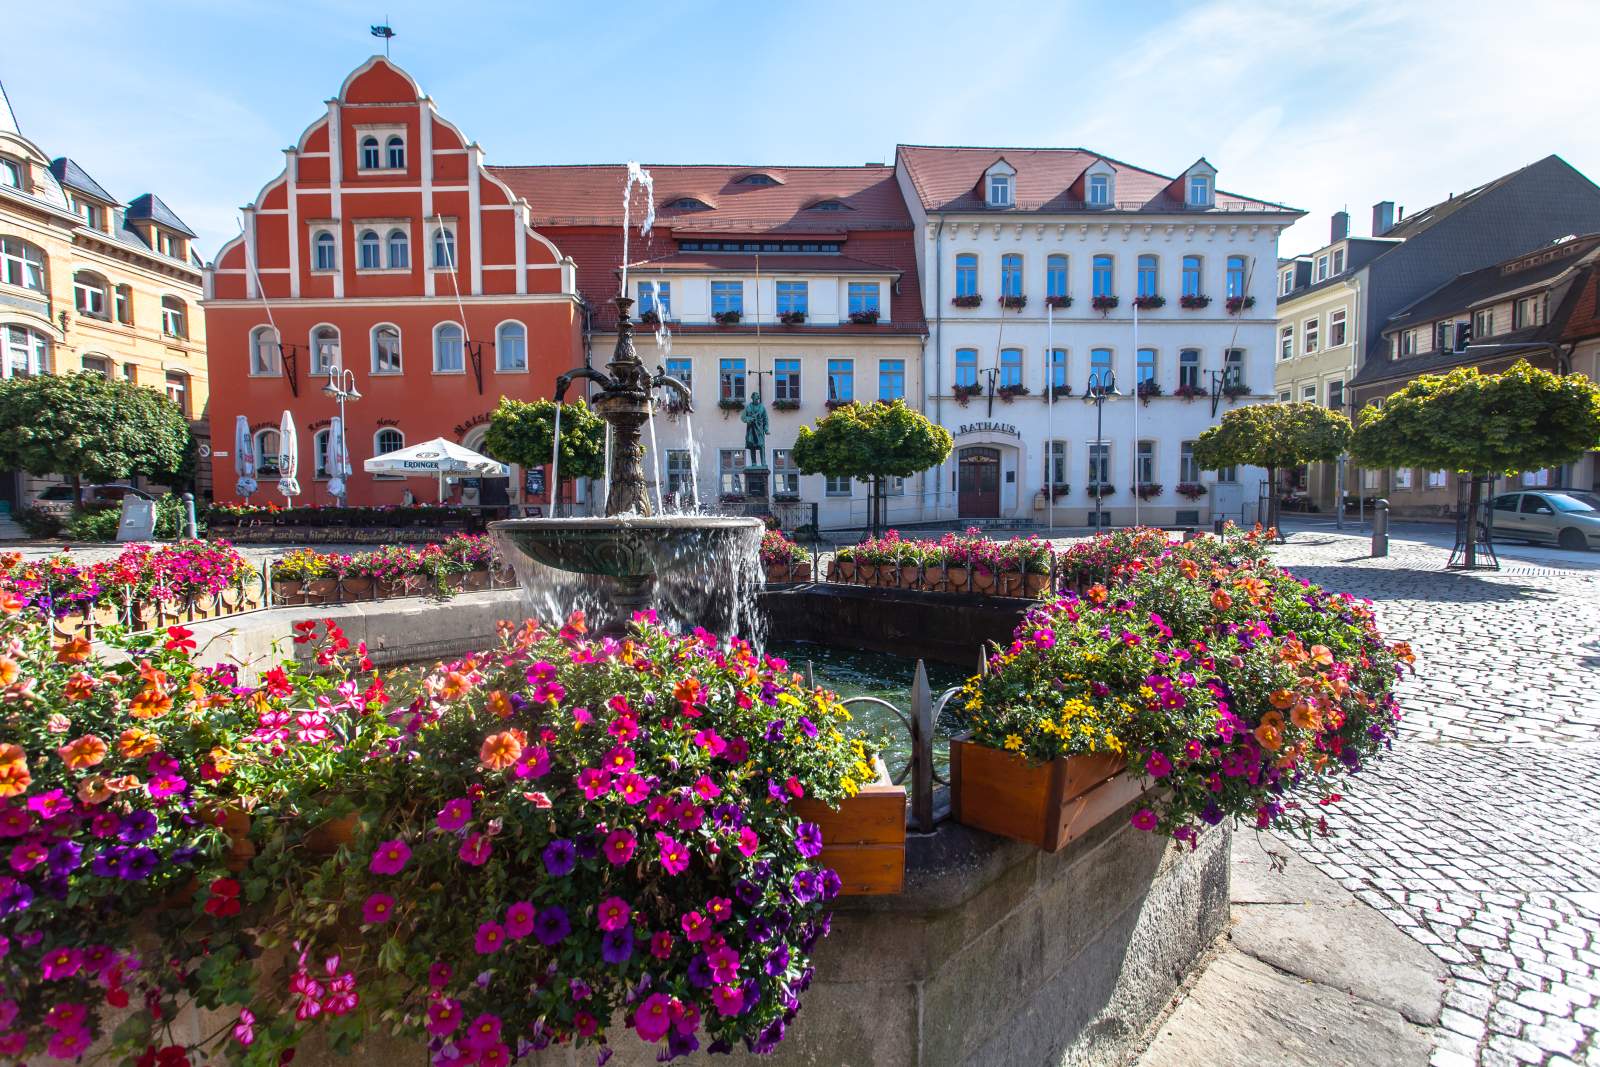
[{"x": 88, "y": 283}]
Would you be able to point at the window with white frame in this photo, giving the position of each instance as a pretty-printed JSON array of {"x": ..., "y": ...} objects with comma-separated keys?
[
  {"x": 656, "y": 297},
  {"x": 444, "y": 248},
  {"x": 1010, "y": 367},
  {"x": 324, "y": 349},
  {"x": 511, "y": 347},
  {"x": 1011, "y": 274},
  {"x": 89, "y": 294},
  {"x": 325, "y": 252},
  {"x": 395, "y": 152},
  {"x": 1286, "y": 282},
  {"x": 1436, "y": 479},
  {"x": 1483, "y": 323},
  {"x": 1286, "y": 342},
  {"x": 837, "y": 486},
  {"x": 1055, "y": 276},
  {"x": 269, "y": 449},
  {"x": 26, "y": 351},
  {"x": 1528, "y": 311},
  {"x": 21, "y": 264},
  {"x": 966, "y": 367},
  {"x": 1145, "y": 467},
  {"x": 1336, "y": 327},
  {"x": 727, "y": 297},
  {"x": 1188, "y": 469},
  {"x": 1191, "y": 275},
  {"x": 681, "y": 368},
  {"x": 894, "y": 485},
  {"x": 386, "y": 349},
  {"x": 786, "y": 380},
  {"x": 793, "y": 298},
  {"x": 785, "y": 472},
  {"x": 966, "y": 274},
  {"x": 1536, "y": 479},
  {"x": 1408, "y": 342},
  {"x": 385, "y": 441},
  {"x": 1284, "y": 396},
  {"x": 1308, "y": 393},
  {"x": 399, "y": 249},
  {"x": 266, "y": 354},
  {"x": 1228, "y": 475},
  {"x": 124, "y": 302},
  {"x": 1338, "y": 261},
  {"x": 1322, "y": 268},
  {"x": 1055, "y": 463},
  {"x": 1099, "y": 453},
  {"x": 174, "y": 317},
  {"x": 999, "y": 190},
  {"x": 99, "y": 365},
  {"x": 1371, "y": 478},
  {"x": 863, "y": 297},
  {"x": 841, "y": 381},
  {"x": 1099, "y": 190},
  {"x": 680, "y": 474},
  {"x": 449, "y": 355},
  {"x": 1144, "y": 369},
  {"x": 370, "y": 250},
  {"x": 320, "y": 443},
  {"x": 1149, "y": 275},
  {"x": 1336, "y": 395},
  {"x": 1236, "y": 277},
  {"x": 1310, "y": 336},
  {"x": 1233, "y": 366},
  {"x": 1101, "y": 275},
  {"x": 1058, "y": 368},
  {"x": 1189, "y": 368},
  {"x": 891, "y": 379},
  {"x": 731, "y": 471},
  {"x": 731, "y": 380},
  {"x": 1402, "y": 478},
  {"x": 371, "y": 154},
  {"x": 10, "y": 173},
  {"x": 1100, "y": 373},
  {"x": 1199, "y": 190}
]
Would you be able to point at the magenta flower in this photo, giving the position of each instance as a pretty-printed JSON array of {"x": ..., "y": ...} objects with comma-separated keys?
[
  {"x": 244, "y": 1031},
  {"x": 674, "y": 856},
  {"x": 748, "y": 841},
  {"x": 1158, "y": 765},
  {"x": 61, "y": 963},
  {"x": 707, "y": 788},
  {"x": 475, "y": 850},
  {"x": 378, "y": 908},
  {"x": 619, "y": 846},
  {"x": 613, "y": 913},
  {"x": 594, "y": 782},
  {"x": 535, "y": 763},
  {"x": 632, "y": 789},
  {"x": 491, "y": 938},
  {"x": 1144, "y": 819},
  {"x": 455, "y": 814},
  {"x": 660, "y": 944},
  {"x": 727, "y": 999},
  {"x": 439, "y": 975},
  {"x": 619, "y": 760},
  {"x": 653, "y": 1018},
  {"x": 519, "y": 920},
  {"x": 724, "y": 963},
  {"x": 390, "y": 858},
  {"x": 695, "y": 926},
  {"x": 444, "y": 1016}
]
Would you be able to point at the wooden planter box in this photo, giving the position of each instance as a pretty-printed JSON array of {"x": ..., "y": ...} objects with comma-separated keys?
[
  {"x": 865, "y": 839},
  {"x": 1046, "y": 805}
]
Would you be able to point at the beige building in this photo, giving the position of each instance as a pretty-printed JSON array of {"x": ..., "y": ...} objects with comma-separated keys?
[{"x": 89, "y": 283}]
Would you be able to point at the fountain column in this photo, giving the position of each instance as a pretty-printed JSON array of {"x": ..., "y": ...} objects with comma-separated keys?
[{"x": 626, "y": 407}]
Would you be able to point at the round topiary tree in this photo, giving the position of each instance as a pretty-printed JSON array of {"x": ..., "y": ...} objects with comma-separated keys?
[
  {"x": 85, "y": 426},
  {"x": 1481, "y": 425},
  {"x": 522, "y": 432},
  {"x": 871, "y": 442},
  {"x": 1273, "y": 436}
]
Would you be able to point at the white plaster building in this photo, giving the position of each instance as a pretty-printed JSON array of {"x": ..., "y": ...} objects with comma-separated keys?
[{"x": 1053, "y": 233}]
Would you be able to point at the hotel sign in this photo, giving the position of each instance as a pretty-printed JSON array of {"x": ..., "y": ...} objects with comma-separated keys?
[{"x": 987, "y": 427}]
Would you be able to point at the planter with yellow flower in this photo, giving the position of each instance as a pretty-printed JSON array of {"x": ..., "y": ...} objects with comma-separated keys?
[{"x": 864, "y": 837}]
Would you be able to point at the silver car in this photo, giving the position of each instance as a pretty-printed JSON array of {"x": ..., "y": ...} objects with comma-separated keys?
[{"x": 1566, "y": 517}]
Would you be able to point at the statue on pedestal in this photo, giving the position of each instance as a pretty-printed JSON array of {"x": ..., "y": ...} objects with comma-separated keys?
[{"x": 754, "y": 418}]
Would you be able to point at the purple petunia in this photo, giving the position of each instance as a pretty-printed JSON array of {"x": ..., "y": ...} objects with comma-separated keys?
[
  {"x": 137, "y": 826},
  {"x": 560, "y": 856},
  {"x": 616, "y": 947},
  {"x": 551, "y": 926},
  {"x": 808, "y": 839},
  {"x": 15, "y": 896},
  {"x": 805, "y": 886},
  {"x": 137, "y": 864},
  {"x": 65, "y": 856}
]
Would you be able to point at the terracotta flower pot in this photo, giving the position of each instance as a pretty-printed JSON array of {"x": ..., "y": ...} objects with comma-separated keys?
[
  {"x": 983, "y": 580},
  {"x": 1036, "y": 585},
  {"x": 955, "y": 579},
  {"x": 1010, "y": 583},
  {"x": 205, "y": 606},
  {"x": 329, "y": 837},
  {"x": 106, "y": 613},
  {"x": 321, "y": 590},
  {"x": 288, "y": 591},
  {"x": 1047, "y": 804},
  {"x": 864, "y": 839},
  {"x": 911, "y": 576},
  {"x": 357, "y": 587},
  {"x": 394, "y": 587},
  {"x": 842, "y": 570}
]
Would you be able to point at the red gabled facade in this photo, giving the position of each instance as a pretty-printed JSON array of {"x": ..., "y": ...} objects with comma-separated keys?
[{"x": 383, "y": 231}]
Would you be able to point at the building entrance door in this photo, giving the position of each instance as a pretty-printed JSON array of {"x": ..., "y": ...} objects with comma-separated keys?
[{"x": 978, "y": 483}]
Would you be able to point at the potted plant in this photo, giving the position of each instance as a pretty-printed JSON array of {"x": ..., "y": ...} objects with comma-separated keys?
[
  {"x": 1147, "y": 490},
  {"x": 791, "y": 318},
  {"x": 833, "y": 403},
  {"x": 1011, "y": 391},
  {"x": 784, "y": 560},
  {"x": 1189, "y": 391},
  {"x": 650, "y": 318},
  {"x": 1191, "y": 490},
  {"x": 1100, "y": 490},
  {"x": 868, "y": 317},
  {"x": 1148, "y": 388},
  {"x": 967, "y": 300},
  {"x": 1236, "y": 304},
  {"x": 1194, "y": 301},
  {"x": 727, "y": 318},
  {"x": 785, "y": 403},
  {"x": 729, "y": 403},
  {"x": 1104, "y": 304},
  {"x": 1149, "y": 302},
  {"x": 842, "y": 568},
  {"x": 1234, "y": 390},
  {"x": 1061, "y": 390},
  {"x": 292, "y": 575},
  {"x": 965, "y": 392},
  {"x": 1015, "y": 302},
  {"x": 1058, "y": 302}
]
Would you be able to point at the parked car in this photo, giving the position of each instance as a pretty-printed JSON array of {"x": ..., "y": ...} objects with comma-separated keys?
[
  {"x": 57, "y": 499},
  {"x": 1566, "y": 517}
]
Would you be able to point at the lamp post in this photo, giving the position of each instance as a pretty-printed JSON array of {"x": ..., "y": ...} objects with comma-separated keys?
[
  {"x": 341, "y": 386},
  {"x": 1102, "y": 388}
]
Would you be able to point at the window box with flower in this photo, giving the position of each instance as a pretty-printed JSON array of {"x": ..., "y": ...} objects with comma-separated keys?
[
  {"x": 1061, "y": 390},
  {"x": 967, "y": 300},
  {"x": 1191, "y": 490},
  {"x": 1236, "y": 304},
  {"x": 1194, "y": 301},
  {"x": 729, "y": 403},
  {"x": 1235, "y": 390},
  {"x": 1014, "y": 303},
  {"x": 792, "y": 318},
  {"x": 965, "y": 392},
  {"x": 727, "y": 318},
  {"x": 868, "y": 317},
  {"x": 1149, "y": 302},
  {"x": 1147, "y": 389},
  {"x": 1189, "y": 392},
  {"x": 1100, "y": 490},
  {"x": 650, "y": 318},
  {"x": 1059, "y": 490},
  {"x": 1147, "y": 490},
  {"x": 1105, "y": 304},
  {"x": 1011, "y": 391},
  {"x": 785, "y": 403},
  {"x": 1058, "y": 302}
]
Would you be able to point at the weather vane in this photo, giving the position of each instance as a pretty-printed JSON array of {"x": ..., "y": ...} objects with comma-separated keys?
[{"x": 385, "y": 31}]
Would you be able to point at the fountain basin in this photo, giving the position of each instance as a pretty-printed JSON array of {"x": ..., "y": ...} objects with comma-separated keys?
[{"x": 627, "y": 546}]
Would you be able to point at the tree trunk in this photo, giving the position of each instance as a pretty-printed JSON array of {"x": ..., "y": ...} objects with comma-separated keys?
[
  {"x": 1474, "y": 499},
  {"x": 77, "y": 491},
  {"x": 1272, "y": 501}
]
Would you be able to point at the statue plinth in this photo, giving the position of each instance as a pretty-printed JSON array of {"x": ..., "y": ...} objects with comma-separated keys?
[{"x": 757, "y": 484}]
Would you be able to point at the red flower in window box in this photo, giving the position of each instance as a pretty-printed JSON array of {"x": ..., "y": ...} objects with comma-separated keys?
[
  {"x": 1194, "y": 301},
  {"x": 963, "y": 393},
  {"x": 785, "y": 404},
  {"x": 650, "y": 318},
  {"x": 1189, "y": 392},
  {"x": 1148, "y": 491},
  {"x": 1237, "y": 304},
  {"x": 968, "y": 300},
  {"x": 1008, "y": 393},
  {"x": 1104, "y": 304},
  {"x": 1191, "y": 490},
  {"x": 1147, "y": 389},
  {"x": 1014, "y": 303},
  {"x": 727, "y": 318},
  {"x": 791, "y": 318},
  {"x": 1058, "y": 301},
  {"x": 864, "y": 318},
  {"x": 834, "y": 402},
  {"x": 1150, "y": 302}
]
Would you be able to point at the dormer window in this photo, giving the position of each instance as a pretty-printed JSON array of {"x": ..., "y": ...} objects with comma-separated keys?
[
  {"x": 758, "y": 179},
  {"x": 1199, "y": 190},
  {"x": 999, "y": 190},
  {"x": 93, "y": 214},
  {"x": 688, "y": 203},
  {"x": 1099, "y": 190},
  {"x": 10, "y": 173},
  {"x": 830, "y": 205}
]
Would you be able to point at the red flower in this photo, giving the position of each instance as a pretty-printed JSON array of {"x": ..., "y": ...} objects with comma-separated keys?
[
  {"x": 179, "y": 639},
  {"x": 305, "y": 632},
  {"x": 224, "y": 899}
]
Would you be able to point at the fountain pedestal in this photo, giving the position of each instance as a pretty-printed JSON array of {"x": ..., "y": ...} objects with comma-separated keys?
[{"x": 757, "y": 487}]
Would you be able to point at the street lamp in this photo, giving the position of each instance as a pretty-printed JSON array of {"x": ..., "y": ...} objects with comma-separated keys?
[
  {"x": 1102, "y": 389},
  {"x": 341, "y": 386}
]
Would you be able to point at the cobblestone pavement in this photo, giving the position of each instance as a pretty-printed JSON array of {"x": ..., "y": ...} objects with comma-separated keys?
[{"x": 1480, "y": 834}]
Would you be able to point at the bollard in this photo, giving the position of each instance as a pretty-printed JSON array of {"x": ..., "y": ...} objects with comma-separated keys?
[
  {"x": 194, "y": 527},
  {"x": 1380, "y": 528},
  {"x": 1217, "y": 524}
]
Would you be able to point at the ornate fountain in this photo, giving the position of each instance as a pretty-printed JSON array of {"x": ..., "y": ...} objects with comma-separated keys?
[{"x": 695, "y": 569}]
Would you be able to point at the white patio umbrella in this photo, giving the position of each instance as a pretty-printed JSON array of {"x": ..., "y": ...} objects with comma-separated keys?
[
  {"x": 439, "y": 457},
  {"x": 244, "y": 458},
  {"x": 338, "y": 459},
  {"x": 288, "y": 457}
]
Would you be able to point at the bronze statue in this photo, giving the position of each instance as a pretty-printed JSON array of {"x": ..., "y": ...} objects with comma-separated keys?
[{"x": 754, "y": 418}]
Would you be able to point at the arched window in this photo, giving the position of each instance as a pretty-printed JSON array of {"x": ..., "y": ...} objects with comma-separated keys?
[
  {"x": 1011, "y": 275},
  {"x": 386, "y": 440},
  {"x": 90, "y": 295},
  {"x": 444, "y": 248},
  {"x": 1103, "y": 283},
  {"x": 386, "y": 349},
  {"x": 371, "y": 250},
  {"x": 21, "y": 264},
  {"x": 178, "y": 390},
  {"x": 93, "y": 364},
  {"x": 397, "y": 152},
  {"x": 399, "y": 250},
  {"x": 10, "y": 173},
  {"x": 268, "y": 447},
  {"x": 324, "y": 349},
  {"x": 369, "y": 153},
  {"x": 1010, "y": 366},
  {"x": 1100, "y": 371},
  {"x": 327, "y": 257},
  {"x": 966, "y": 366},
  {"x": 320, "y": 442},
  {"x": 966, "y": 274},
  {"x": 511, "y": 347},
  {"x": 1145, "y": 366},
  {"x": 1191, "y": 275},
  {"x": 1236, "y": 277},
  {"x": 448, "y": 357},
  {"x": 1149, "y": 276},
  {"x": 1055, "y": 276},
  {"x": 1189, "y": 368},
  {"x": 174, "y": 317},
  {"x": 266, "y": 355},
  {"x": 24, "y": 352}
]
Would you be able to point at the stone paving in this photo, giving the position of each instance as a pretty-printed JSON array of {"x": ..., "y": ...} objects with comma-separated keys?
[{"x": 1480, "y": 834}]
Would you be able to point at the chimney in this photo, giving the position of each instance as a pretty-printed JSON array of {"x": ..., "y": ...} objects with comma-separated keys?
[
  {"x": 1341, "y": 227},
  {"x": 1382, "y": 217}
]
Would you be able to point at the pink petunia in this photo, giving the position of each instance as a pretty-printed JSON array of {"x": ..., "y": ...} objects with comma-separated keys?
[
  {"x": 724, "y": 964},
  {"x": 707, "y": 789},
  {"x": 1144, "y": 819},
  {"x": 613, "y": 913},
  {"x": 391, "y": 857},
  {"x": 619, "y": 846},
  {"x": 695, "y": 926},
  {"x": 1158, "y": 765},
  {"x": 444, "y": 1017},
  {"x": 378, "y": 908},
  {"x": 727, "y": 999},
  {"x": 491, "y": 937},
  {"x": 519, "y": 920},
  {"x": 632, "y": 789},
  {"x": 475, "y": 850},
  {"x": 594, "y": 782},
  {"x": 455, "y": 814},
  {"x": 674, "y": 855},
  {"x": 439, "y": 975},
  {"x": 748, "y": 841},
  {"x": 535, "y": 762},
  {"x": 660, "y": 944},
  {"x": 653, "y": 1018},
  {"x": 619, "y": 760}
]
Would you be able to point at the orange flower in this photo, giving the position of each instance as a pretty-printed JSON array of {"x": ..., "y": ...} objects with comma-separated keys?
[
  {"x": 500, "y": 750},
  {"x": 217, "y": 700},
  {"x": 149, "y": 703},
  {"x": 14, "y": 776},
  {"x": 93, "y": 790},
  {"x": 1322, "y": 655},
  {"x": 196, "y": 691},
  {"x": 1402, "y": 652},
  {"x": 499, "y": 703},
  {"x": 79, "y": 687},
  {"x": 1096, "y": 594},
  {"x": 1221, "y": 600},
  {"x": 1293, "y": 651},
  {"x": 455, "y": 686},
  {"x": 135, "y": 743},
  {"x": 1270, "y": 733},
  {"x": 10, "y": 603},
  {"x": 1306, "y": 715},
  {"x": 1283, "y": 699},
  {"x": 82, "y": 753},
  {"x": 688, "y": 691},
  {"x": 122, "y": 783},
  {"x": 222, "y": 760},
  {"x": 153, "y": 677},
  {"x": 1188, "y": 568},
  {"x": 75, "y": 650},
  {"x": 8, "y": 670}
]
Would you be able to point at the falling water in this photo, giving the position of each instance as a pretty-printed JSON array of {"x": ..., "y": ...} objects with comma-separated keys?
[
  {"x": 655, "y": 456},
  {"x": 694, "y": 463},
  {"x": 637, "y": 175},
  {"x": 605, "y": 496},
  {"x": 555, "y": 464}
]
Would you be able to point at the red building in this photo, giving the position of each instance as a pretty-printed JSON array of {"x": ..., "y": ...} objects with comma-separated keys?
[{"x": 386, "y": 248}]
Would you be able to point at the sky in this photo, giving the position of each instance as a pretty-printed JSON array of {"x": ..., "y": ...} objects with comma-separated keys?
[{"x": 1320, "y": 104}]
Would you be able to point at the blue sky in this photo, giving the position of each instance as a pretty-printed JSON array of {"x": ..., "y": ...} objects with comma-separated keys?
[{"x": 1321, "y": 104}]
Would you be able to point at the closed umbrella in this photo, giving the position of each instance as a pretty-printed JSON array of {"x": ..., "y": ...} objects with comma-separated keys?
[
  {"x": 244, "y": 458},
  {"x": 288, "y": 457},
  {"x": 338, "y": 459},
  {"x": 438, "y": 457}
]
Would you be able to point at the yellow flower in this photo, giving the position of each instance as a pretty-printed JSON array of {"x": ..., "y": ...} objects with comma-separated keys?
[{"x": 1013, "y": 742}]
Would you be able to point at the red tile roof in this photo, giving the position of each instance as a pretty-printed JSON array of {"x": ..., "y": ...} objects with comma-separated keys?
[
  {"x": 708, "y": 262},
  {"x": 946, "y": 179}
]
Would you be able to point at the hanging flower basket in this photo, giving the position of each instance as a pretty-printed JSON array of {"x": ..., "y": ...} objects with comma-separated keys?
[
  {"x": 967, "y": 300},
  {"x": 1237, "y": 304},
  {"x": 1194, "y": 301},
  {"x": 1104, "y": 304}
]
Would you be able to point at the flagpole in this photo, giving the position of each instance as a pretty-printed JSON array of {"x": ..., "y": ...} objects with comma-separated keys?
[
  {"x": 1049, "y": 414},
  {"x": 1136, "y": 405}
]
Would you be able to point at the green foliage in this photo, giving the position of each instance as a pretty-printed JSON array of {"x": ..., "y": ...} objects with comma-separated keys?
[
  {"x": 870, "y": 441},
  {"x": 84, "y": 426},
  {"x": 521, "y": 431},
  {"x": 39, "y": 523},
  {"x": 98, "y": 522},
  {"x": 1475, "y": 423},
  {"x": 1273, "y": 436}
]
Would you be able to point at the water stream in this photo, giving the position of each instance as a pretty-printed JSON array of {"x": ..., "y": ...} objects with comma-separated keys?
[{"x": 555, "y": 465}]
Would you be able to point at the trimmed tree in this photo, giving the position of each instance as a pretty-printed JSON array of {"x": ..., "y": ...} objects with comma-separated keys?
[
  {"x": 522, "y": 432},
  {"x": 871, "y": 442},
  {"x": 1274, "y": 436},
  {"x": 85, "y": 426},
  {"x": 1481, "y": 425}
]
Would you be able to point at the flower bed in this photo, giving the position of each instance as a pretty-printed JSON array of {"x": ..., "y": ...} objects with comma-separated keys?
[
  {"x": 1020, "y": 567},
  {"x": 306, "y": 576},
  {"x": 618, "y": 825},
  {"x": 142, "y": 587},
  {"x": 1221, "y": 685},
  {"x": 784, "y": 560}
]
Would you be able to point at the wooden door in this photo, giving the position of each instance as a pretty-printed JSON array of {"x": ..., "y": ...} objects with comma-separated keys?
[{"x": 978, "y": 483}]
